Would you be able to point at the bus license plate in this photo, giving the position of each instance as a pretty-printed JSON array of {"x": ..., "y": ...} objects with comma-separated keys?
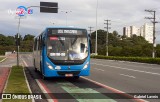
[{"x": 68, "y": 75}]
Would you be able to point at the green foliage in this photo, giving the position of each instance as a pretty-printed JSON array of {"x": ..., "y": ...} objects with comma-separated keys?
[
  {"x": 28, "y": 37},
  {"x": 135, "y": 46},
  {"x": 8, "y": 43},
  {"x": 17, "y": 84}
]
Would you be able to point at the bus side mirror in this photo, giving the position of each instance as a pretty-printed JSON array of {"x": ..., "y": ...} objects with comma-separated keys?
[
  {"x": 90, "y": 43},
  {"x": 43, "y": 42}
]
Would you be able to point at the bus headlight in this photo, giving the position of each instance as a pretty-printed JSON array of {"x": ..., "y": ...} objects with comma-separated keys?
[
  {"x": 86, "y": 65},
  {"x": 49, "y": 66}
]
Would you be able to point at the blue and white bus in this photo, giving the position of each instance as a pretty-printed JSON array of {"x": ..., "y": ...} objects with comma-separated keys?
[{"x": 62, "y": 52}]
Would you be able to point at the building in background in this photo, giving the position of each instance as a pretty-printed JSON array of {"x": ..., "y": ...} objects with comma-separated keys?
[
  {"x": 126, "y": 31},
  {"x": 148, "y": 32},
  {"x": 130, "y": 31},
  {"x": 145, "y": 31}
]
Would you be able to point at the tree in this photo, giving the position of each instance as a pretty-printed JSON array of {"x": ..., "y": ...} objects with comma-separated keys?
[
  {"x": 28, "y": 37},
  {"x": 158, "y": 50}
]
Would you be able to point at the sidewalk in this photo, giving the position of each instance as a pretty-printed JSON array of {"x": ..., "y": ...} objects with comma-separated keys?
[
  {"x": 4, "y": 72},
  {"x": 5, "y": 68}
]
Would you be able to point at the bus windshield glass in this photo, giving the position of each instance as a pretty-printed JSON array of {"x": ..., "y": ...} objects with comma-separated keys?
[{"x": 67, "y": 44}]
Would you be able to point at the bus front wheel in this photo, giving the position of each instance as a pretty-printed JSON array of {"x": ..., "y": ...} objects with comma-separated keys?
[
  {"x": 76, "y": 77},
  {"x": 43, "y": 77},
  {"x": 35, "y": 69}
]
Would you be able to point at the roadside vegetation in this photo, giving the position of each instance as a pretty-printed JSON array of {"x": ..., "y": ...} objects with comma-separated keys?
[
  {"x": 122, "y": 46},
  {"x": 118, "y": 45},
  {"x": 8, "y": 43},
  {"x": 17, "y": 84},
  {"x": 132, "y": 59}
]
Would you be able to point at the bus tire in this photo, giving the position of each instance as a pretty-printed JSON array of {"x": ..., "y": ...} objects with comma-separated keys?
[
  {"x": 76, "y": 77},
  {"x": 43, "y": 77},
  {"x": 41, "y": 69},
  {"x": 35, "y": 69}
]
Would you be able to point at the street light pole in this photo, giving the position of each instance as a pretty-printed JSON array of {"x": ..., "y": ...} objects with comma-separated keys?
[
  {"x": 66, "y": 15},
  {"x": 18, "y": 40},
  {"x": 96, "y": 29}
]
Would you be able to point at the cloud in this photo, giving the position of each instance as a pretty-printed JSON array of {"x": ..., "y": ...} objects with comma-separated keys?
[{"x": 120, "y": 12}]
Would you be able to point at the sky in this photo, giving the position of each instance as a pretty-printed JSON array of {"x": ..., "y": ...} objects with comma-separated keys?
[{"x": 81, "y": 13}]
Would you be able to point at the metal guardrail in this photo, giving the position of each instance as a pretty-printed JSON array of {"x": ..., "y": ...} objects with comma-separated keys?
[{"x": 8, "y": 53}]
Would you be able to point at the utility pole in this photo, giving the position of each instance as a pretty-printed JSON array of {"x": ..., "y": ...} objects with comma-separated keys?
[
  {"x": 107, "y": 27},
  {"x": 154, "y": 29},
  {"x": 96, "y": 28},
  {"x": 90, "y": 30}
]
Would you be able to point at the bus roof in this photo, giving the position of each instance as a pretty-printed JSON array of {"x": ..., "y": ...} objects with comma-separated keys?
[
  {"x": 71, "y": 27},
  {"x": 60, "y": 27}
]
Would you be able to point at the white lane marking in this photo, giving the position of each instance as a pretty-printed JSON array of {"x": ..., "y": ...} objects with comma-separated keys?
[
  {"x": 128, "y": 76},
  {"x": 24, "y": 62},
  {"x": 39, "y": 84},
  {"x": 3, "y": 60},
  {"x": 128, "y": 69},
  {"x": 26, "y": 77},
  {"x": 30, "y": 56},
  {"x": 99, "y": 69},
  {"x": 44, "y": 91},
  {"x": 111, "y": 88},
  {"x": 41, "y": 87},
  {"x": 150, "y": 67}
]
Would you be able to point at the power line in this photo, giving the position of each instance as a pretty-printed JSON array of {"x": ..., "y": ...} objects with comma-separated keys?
[
  {"x": 107, "y": 27},
  {"x": 153, "y": 20}
]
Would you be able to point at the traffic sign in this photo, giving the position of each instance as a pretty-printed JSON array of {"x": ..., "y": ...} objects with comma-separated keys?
[{"x": 49, "y": 7}]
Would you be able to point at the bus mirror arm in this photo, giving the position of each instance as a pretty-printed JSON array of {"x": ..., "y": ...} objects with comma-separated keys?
[
  {"x": 90, "y": 45},
  {"x": 43, "y": 42}
]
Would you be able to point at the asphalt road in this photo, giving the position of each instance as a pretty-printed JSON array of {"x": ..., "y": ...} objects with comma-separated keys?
[
  {"x": 10, "y": 61},
  {"x": 106, "y": 77},
  {"x": 129, "y": 77}
]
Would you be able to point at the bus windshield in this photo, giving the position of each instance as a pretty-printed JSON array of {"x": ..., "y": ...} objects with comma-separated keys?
[{"x": 67, "y": 44}]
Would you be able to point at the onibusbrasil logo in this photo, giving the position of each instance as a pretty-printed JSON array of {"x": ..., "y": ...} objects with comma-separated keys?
[{"x": 21, "y": 11}]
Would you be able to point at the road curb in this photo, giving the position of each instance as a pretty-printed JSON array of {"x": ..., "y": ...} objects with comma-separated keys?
[
  {"x": 24, "y": 64},
  {"x": 44, "y": 89},
  {"x": 3, "y": 60}
]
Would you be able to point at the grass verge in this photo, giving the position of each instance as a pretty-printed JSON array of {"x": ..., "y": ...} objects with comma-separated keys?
[
  {"x": 17, "y": 84},
  {"x": 131, "y": 59}
]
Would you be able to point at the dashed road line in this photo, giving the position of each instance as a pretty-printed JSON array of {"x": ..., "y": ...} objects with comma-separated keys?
[
  {"x": 127, "y": 76},
  {"x": 150, "y": 67},
  {"x": 99, "y": 69},
  {"x": 128, "y": 69}
]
